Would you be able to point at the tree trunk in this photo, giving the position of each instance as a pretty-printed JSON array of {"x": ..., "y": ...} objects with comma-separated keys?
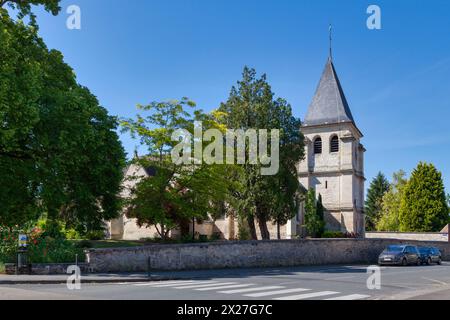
[
  {"x": 265, "y": 234},
  {"x": 251, "y": 226},
  {"x": 163, "y": 232},
  {"x": 185, "y": 228},
  {"x": 262, "y": 222},
  {"x": 231, "y": 227},
  {"x": 278, "y": 231}
]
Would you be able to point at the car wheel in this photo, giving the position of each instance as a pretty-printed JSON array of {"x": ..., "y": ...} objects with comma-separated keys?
[
  {"x": 418, "y": 263},
  {"x": 439, "y": 261},
  {"x": 429, "y": 261},
  {"x": 404, "y": 262}
]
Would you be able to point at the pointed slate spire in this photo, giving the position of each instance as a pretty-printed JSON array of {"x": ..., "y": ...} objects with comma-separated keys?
[{"x": 329, "y": 104}]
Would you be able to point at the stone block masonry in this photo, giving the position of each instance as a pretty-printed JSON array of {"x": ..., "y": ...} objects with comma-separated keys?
[
  {"x": 420, "y": 236},
  {"x": 46, "y": 269},
  {"x": 246, "y": 254}
]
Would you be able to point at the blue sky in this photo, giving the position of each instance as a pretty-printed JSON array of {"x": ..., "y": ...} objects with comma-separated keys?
[{"x": 396, "y": 79}]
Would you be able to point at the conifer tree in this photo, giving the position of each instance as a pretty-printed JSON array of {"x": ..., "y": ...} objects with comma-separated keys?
[
  {"x": 424, "y": 205},
  {"x": 373, "y": 206}
]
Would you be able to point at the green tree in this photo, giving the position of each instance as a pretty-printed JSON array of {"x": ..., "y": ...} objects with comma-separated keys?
[
  {"x": 280, "y": 194},
  {"x": 373, "y": 205},
  {"x": 424, "y": 205},
  {"x": 176, "y": 193},
  {"x": 448, "y": 205},
  {"x": 251, "y": 105},
  {"x": 59, "y": 152},
  {"x": 314, "y": 222},
  {"x": 390, "y": 209},
  {"x": 321, "y": 216},
  {"x": 282, "y": 199},
  {"x": 24, "y": 7}
]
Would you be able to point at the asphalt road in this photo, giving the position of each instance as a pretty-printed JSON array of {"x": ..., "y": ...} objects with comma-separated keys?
[{"x": 301, "y": 283}]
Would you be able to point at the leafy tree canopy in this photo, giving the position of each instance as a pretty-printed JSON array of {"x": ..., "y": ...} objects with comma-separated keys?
[
  {"x": 174, "y": 193},
  {"x": 252, "y": 105},
  {"x": 59, "y": 152},
  {"x": 390, "y": 210},
  {"x": 24, "y": 7}
]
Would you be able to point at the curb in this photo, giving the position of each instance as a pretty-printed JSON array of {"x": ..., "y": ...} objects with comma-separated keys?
[{"x": 64, "y": 281}]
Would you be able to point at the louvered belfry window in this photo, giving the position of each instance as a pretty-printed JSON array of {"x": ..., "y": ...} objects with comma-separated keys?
[
  {"x": 318, "y": 146},
  {"x": 334, "y": 144}
]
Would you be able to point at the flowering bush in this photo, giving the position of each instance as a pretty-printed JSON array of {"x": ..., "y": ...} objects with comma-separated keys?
[
  {"x": 41, "y": 248},
  {"x": 51, "y": 250},
  {"x": 8, "y": 244}
]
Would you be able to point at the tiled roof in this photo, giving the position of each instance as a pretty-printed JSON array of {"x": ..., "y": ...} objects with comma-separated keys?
[{"x": 329, "y": 104}]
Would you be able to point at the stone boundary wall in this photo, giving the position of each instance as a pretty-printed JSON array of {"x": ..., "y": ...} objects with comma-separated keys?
[
  {"x": 245, "y": 254},
  {"x": 419, "y": 236},
  {"x": 46, "y": 269}
]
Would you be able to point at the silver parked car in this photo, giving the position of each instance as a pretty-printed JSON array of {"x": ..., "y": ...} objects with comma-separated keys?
[{"x": 400, "y": 255}]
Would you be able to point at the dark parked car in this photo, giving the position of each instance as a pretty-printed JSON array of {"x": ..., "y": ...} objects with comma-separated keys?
[
  {"x": 400, "y": 255},
  {"x": 430, "y": 255}
]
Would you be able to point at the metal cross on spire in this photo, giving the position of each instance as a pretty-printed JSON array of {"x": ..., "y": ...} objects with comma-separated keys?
[{"x": 330, "y": 35}]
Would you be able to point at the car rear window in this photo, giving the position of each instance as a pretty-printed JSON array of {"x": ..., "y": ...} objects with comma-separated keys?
[{"x": 395, "y": 248}]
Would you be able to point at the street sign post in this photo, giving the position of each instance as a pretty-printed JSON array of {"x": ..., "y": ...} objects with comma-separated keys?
[
  {"x": 23, "y": 240},
  {"x": 22, "y": 263}
]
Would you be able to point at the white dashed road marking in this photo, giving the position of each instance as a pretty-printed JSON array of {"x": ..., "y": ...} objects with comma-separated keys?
[
  {"x": 274, "y": 293},
  {"x": 179, "y": 284},
  {"x": 225, "y": 287},
  {"x": 251, "y": 289},
  {"x": 308, "y": 295},
  {"x": 160, "y": 283},
  {"x": 212, "y": 284},
  {"x": 350, "y": 297}
]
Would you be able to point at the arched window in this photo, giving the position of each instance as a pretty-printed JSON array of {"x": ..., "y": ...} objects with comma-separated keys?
[
  {"x": 334, "y": 144},
  {"x": 318, "y": 146}
]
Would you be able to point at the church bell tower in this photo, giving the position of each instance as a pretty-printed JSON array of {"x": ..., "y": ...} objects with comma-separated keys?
[{"x": 334, "y": 158}]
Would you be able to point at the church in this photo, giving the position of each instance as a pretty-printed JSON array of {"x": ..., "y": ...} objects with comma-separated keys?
[{"x": 333, "y": 166}]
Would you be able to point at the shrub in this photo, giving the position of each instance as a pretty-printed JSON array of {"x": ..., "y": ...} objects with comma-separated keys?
[
  {"x": 187, "y": 238},
  {"x": 8, "y": 245},
  {"x": 72, "y": 234},
  {"x": 215, "y": 237},
  {"x": 339, "y": 235},
  {"x": 95, "y": 235},
  {"x": 333, "y": 234},
  {"x": 84, "y": 244},
  {"x": 51, "y": 250},
  {"x": 41, "y": 248},
  {"x": 147, "y": 239}
]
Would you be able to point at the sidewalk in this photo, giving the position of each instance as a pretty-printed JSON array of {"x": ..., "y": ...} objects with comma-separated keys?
[
  {"x": 171, "y": 275},
  {"x": 128, "y": 277},
  {"x": 88, "y": 278}
]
